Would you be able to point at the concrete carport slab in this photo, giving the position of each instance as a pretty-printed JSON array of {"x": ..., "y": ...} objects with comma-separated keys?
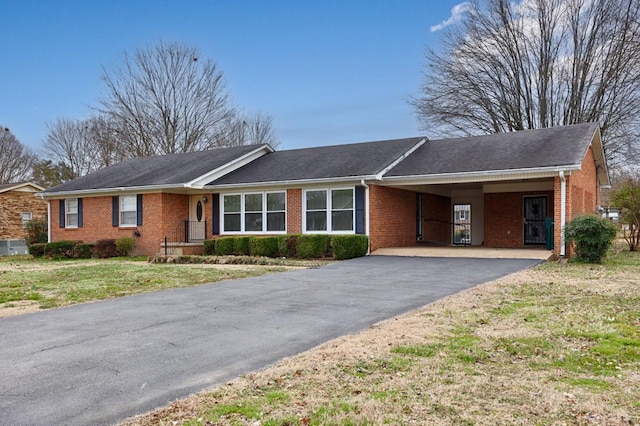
[
  {"x": 469, "y": 252},
  {"x": 98, "y": 363}
]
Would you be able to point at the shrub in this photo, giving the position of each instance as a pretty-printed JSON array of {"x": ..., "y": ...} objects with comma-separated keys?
[
  {"x": 125, "y": 245},
  {"x": 349, "y": 246},
  {"x": 105, "y": 248},
  {"x": 209, "y": 247},
  {"x": 83, "y": 250},
  {"x": 224, "y": 246},
  {"x": 591, "y": 236},
  {"x": 312, "y": 246},
  {"x": 263, "y": 246},
  {"x": 60, "y": 249},
  {"x": 287, "y": 246},
  {"x": 37, "y": 249},
  {"x": 36, "y": 231},
  {"x": 241, "y": 246}
]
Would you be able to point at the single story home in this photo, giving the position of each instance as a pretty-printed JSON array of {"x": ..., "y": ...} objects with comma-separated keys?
[
  {"x": 18, "y": 207},
  {"x": 501, "y": 190}
]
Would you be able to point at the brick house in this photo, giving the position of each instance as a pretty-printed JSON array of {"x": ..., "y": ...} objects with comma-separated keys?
[
  {"x": 18, "y": 206},
  {"x": 503, "y": 190}
]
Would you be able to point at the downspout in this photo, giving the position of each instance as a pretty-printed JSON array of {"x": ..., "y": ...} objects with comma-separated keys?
[
  {"x": 48, "y": 221},
  {"x": 563, "y": 210},
  {"x": 366, "y": 214}
]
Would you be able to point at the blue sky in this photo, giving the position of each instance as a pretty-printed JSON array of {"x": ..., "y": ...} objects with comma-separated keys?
[{"x": 327, "y": 72}]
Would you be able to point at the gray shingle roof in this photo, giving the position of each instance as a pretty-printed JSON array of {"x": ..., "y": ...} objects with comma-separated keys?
[
  {"x": 553, "y": 147},
  {"x": 171, "y": 169},
  {"x": 337, "y": 161}
]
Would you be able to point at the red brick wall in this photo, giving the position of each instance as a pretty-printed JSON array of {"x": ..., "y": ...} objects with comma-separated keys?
[
  {"x": 504, "y": 217},
  {"x": 436, "y": 212},
  {"x": 393, "y": 213},
  {"x": 582, "y": 195},
  {"x": 160, "y": 215},
  {"x": 294, "y": 211}
]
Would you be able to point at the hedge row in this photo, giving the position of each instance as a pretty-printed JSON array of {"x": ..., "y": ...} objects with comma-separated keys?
[
  {"x": 291, "y": 246},
  {"x": 66, "y": 249}
]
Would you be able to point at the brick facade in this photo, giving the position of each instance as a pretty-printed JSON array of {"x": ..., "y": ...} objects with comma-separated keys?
[
  {"x": 12, "y": 205},
  {"x": 582, "y": 196},
  {"x": 393, "y": 213},
  {"x": 436, "y": 218},
  {"x": 294, "y": 211},
  {"x": 161, "y": 214},
  {"x": 504, "y": 217}
]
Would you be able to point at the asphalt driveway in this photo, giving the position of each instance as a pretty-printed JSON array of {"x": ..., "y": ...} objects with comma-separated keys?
[{"x": 99, "y": 363}]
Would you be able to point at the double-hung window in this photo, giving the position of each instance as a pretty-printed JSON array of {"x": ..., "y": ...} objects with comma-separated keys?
[
  {"x": 71, "y": 212},
  {"x": 26, "y": 218},
  {"x": 329, "y": 210},
  {"x": 128, "y": 210},
  {"x": 255, "y": 212}
]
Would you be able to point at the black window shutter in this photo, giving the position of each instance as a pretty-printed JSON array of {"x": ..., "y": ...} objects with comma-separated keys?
[
  {"x": 215, "y": 205},
  {"x": 62, "y": 213},
  {"x": 114, "y": 210},
  {"x": 139, "y": 209},
  {"x": 360, "y": 210},
  {"x": 79, "y": 212}
]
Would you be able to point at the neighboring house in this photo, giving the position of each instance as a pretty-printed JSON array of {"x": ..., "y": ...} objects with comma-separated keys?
[
  {"x": 509, "y": 187},
  {"x": 18, "y": 206}
]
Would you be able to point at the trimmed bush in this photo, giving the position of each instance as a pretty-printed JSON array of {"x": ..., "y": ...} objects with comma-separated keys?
[
  {"x": 263, "y": 246},
  {"x": 349, "y": 246},
  {"x": 287, "y": 246},
  {"x": 312, "y": 246},
  {"x": 83, "y": 250},
  {"x": 241, "y": 246},
  {"x": 105, "y": 249},
  {"x": 592, "y": 236},
  {"x": 60, "y": 249},
  {"x": 125, "y": 245},
  {"x": 209, "y": 247},
  {"x": 223, "y": 246},
  {"x": 37, "y": 249}
]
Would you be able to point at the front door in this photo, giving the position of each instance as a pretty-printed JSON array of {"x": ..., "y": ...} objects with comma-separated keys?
[
  {"x": 535, "y": 211},
  {"x": 196, "y": 229}
]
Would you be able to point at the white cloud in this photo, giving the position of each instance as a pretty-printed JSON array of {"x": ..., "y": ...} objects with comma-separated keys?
[{"x": 457, "y": 12}]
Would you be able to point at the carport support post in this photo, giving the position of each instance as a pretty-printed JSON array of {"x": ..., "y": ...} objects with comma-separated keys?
[
  {"x": 366, "y": 214},
  {"x": 563, "y": 210}
]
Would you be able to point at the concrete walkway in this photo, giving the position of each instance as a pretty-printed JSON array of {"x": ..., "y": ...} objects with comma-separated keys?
[{"x": 468, "y": 252}]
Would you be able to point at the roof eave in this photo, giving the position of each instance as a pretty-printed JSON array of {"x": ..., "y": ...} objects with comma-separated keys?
[
  {"x": 480, "y": 176},
  {"x": 108, "y": 191}
]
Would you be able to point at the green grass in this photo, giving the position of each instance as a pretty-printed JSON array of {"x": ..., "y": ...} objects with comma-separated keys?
[{"x": 60, "y": 283}]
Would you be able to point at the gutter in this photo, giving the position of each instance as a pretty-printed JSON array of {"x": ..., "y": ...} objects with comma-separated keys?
[{"x": 102, "y": 191}]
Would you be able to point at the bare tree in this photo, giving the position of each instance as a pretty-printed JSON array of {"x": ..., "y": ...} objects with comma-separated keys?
[
  {"x": 79, "y": 147},
  {"x": 165, "y": 99},
  {"x": 243, "y": 129},
  {"x": 535, "y": 64},
  {"x": 16, "y": 161}
]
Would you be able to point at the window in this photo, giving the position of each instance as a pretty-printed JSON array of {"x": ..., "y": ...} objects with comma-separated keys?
[
  {"x": 329, "y": 210},
  {"x": 128, "y": 210},
  {"x": 232, "y": 213},
  {"x": 26, "y": 218},
  {"x": 257, "y": 212},
  {"x": 276, "y": 210},
  {"x": 71, "y": 212}
]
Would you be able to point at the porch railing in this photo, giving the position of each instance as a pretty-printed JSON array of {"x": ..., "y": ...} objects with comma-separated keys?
[{"x": 185, "y": 231}]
